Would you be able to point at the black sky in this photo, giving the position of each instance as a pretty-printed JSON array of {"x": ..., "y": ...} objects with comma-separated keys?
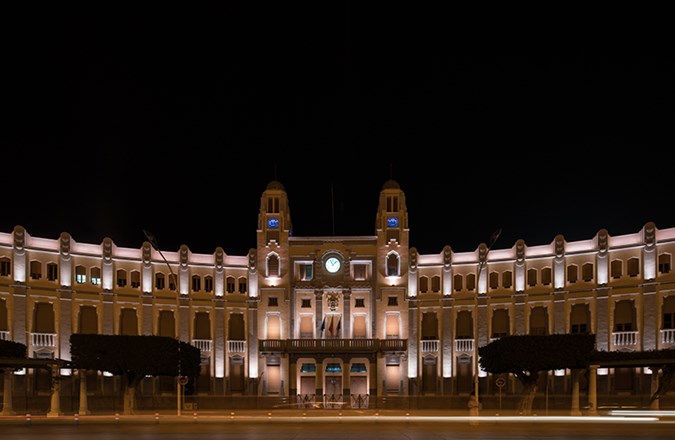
[{"x": 176, "y": 122}]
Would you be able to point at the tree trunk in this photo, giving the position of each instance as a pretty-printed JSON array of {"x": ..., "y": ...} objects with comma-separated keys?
[
  {"x": 130, "y": 395},
  {"x": 529, "y": 392}
]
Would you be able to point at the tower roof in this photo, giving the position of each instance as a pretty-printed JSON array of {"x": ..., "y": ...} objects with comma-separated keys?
[
  {"x": 391, "y": 184},
  {"x": 275, "y": 184}
]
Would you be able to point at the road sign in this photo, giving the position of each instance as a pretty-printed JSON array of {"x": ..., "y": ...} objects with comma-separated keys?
[
  {"x": 183, "y": 380},
  {"x": 500, "y": 382}
]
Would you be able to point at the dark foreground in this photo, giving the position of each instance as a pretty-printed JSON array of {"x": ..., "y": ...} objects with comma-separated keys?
[{"x": 340, "y": 426}]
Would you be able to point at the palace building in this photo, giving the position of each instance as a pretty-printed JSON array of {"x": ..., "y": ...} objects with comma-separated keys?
[{"x": 340, "y": 318}]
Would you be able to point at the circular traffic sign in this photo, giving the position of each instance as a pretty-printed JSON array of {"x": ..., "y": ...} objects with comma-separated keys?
[
  {"x": 183, "y": 380},
  {"x": 500, "y": 382}
]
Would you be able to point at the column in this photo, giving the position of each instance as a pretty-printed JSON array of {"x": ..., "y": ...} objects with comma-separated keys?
[
  {"x": 319, "y": 313},
  {"x": 55, "y": 405},
  {"x": 593, "y": 390},
  {"x": 346, "y": 309},
  {"x": 84, "y": 407},
  {"x": 64, "y": 325},
  {"x": 413, "y": 357},
  {"x": 654, "y": 387},
  {"x": 7, "y": 409},
  {"x": 575, "y": 393}
]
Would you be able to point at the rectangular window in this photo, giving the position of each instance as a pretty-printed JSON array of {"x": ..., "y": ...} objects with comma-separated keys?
[
  {"x": 80, "y": 278},
  {"x": 242, "y": 285},
  {"x": 196, "y": 284},
  {"x": 273, "y": 205},
  {"x": 135, "y": 279},
  {"x": 208, "y": 284},
  {"x": 230, "y": 285},
  {"x": 668, "y": 321},
  {"x": 159, "y": 282},
  {"x": 272, "y": 301},
  {"x": 52, "y": 271},
  {"x": 359, "y": 302},
  {"x": 360, "y": 272},
  {"x": 579, "y": 328},
  {"x": 96, "y": 281},
  {"x": 4, "y": 267},
  {"x": 306, "y": 303},
  {"x": 306, "y": 271},
  {"x": 392, "y": 301}
]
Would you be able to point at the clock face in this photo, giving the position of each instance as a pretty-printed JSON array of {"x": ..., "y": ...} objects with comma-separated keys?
[
  {"x": 392, "y": 222},
  {"x": 273, "y": 223},
  {"x": 332, "y": 265}
]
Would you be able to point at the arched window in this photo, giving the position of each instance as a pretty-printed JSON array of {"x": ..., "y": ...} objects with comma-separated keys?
[
  {"x": 159, "y": 281},
  {"x": 5, "y": 266},
  {"x": 494, "y": 280},
  {"x": 80, "y": 274},
  {"x": 166, "y": 325},
  {"x": 96, "y": 276},
  {"x": 135, "y": 279},
  {"x": 580, "y": 319},
  {"x": 208, "y": 283},
  {"x": 35, "y": 270},
  {"x": 471, "y": 281},
  {"x": 230, "y": 284},
  {"x": 393, "y": 265},
  {"x": 500, "y": 323},
  {"x": 242, "y": 284},
  {"x": 272, "y": 265},
  {"x": 539, "y": 321},
  {"x": 664, "y": 263},
  {"x": 196, "y": 283},
  {"x": 121, "y": 277}
]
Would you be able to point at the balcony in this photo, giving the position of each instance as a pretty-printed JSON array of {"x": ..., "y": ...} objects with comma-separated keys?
[
  {"x": 43, "y": 339},
  {"x": 236, "y": 346},
  {"x": 430, "y": 346},
  {"x": 623, "y": 339},
  {"x": 202, "y": 344},
  {"x": 464, "y": 345},
  {"x": 4, "y": 335},
  {"x": 332, "y": 345},
  {"x": 668, "y": 336}
]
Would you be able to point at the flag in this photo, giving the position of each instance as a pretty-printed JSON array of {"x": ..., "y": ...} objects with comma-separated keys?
[
  {"x": 330, "y": 327},
  {"x": 323, "y": 324},
  {"x": 339, "y": 326}
]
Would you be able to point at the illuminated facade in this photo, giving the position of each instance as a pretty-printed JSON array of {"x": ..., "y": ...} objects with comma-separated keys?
[{"x": 341, "y": 319}]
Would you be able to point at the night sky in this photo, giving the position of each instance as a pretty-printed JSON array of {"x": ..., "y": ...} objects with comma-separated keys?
[{"x": 119, "y": 122}]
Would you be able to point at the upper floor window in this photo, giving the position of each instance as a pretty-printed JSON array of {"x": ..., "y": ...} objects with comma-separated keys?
[
  {"x": 359, "y": 302},
  {"x": 494, "y": 280},
  {"x": 393, "y": 265},
  {"x": 587, "y": 272},
  {"x": 172, "y": 282},
  {"x": 80, "y": 275},
  {"x": 272, "y": 265},
  {"x": 664, "y": 263},
  {"x": 208, "y": 284},
  {"x": 5, "y": 267},
  {"x": 507, "y": 279},
  {"x": 617, "y": 268},
  {"x": 546, "y": 276},
  {"x": 458, "y": 281},
  {"x": 424, "y": 284},
  {"x": 360, "y": 272},
  {"x": 196, "y": 283},
  {"x": 306, "y": 303},
  {"x": 633, "y": 267},
  {"x": 273, "y": 205},
  {"x": 229, "y": 284},
  {"x": 392, "y": 301},
  {"x": 471, "y": 281},
  {"x": 272, "y": 301},
  {"x": 668, "y": 313},
  {"x": 52, "y": 271},
  {"x": 159, "y": 281},
  {"x": 435, "y": 284},
  {"x": 121, "y": 277},
  {"x": 242, "y": 285},
  {"x": 392, "y": 203},
  {"x": 572, "y": 273},
  {"x": 306, "y": 271},
  {"x": 532, "y": 277},
  {"x": 135, "y": 279},
  {"x": 35, "y": 270},
  {"x": 96, "y": 276}
]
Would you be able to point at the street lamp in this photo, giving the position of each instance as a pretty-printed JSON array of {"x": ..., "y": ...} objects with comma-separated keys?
[
  {"x": 179, "y": 380},
  {"x": 481, "y": 265}
]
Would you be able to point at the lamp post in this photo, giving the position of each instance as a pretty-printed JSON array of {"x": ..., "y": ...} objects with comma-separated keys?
[
  {"x": 481, "y": 265},
  {"x": 179, "y": 380}
]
